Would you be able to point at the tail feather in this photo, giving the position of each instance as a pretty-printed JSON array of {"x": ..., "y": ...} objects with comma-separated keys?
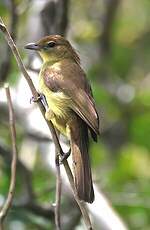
[{"x": 81, "y": 161}]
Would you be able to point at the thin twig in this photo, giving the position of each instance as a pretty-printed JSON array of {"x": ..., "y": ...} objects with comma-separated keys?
[
  {"x": 8, "y": 202},
  {"x": 49, "y": 123},
  {"x": 58, "y": 193}
]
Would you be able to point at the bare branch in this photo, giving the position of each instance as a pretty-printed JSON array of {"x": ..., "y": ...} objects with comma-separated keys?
[
  {"x": 58, "y": 193},
  {"x": 49, "y": 123},
  {"x": 8, "y": 202}
]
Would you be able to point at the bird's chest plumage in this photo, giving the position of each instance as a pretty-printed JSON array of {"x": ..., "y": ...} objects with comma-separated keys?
[{"x": 58, "y": 102}]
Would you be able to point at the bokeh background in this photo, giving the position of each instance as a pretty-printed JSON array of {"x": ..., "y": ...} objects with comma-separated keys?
[{"x": 112, "y": 38}]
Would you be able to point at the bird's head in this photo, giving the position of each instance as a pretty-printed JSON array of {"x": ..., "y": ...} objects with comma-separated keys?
[{"x": 54, "y": 48}]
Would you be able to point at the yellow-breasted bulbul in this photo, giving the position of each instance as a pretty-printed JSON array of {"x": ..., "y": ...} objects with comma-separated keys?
[{"x": 71, "y": 106}]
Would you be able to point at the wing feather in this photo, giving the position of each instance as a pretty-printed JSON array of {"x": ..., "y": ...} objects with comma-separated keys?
[{"x": 72, "y": 82}]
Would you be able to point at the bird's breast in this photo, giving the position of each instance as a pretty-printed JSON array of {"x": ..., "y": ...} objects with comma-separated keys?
[{"x": 58, "y": 102}]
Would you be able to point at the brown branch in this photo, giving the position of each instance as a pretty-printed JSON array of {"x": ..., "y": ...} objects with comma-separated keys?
[
  {"x": 49, "y": 123},
  {"x": 58, "y": 192},
  {"x": 30, "y": 203},
  {"x": 8, "y": 202}
]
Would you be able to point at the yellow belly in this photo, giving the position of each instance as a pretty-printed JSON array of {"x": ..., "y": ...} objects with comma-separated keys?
[{"x": 59, "y": 103}]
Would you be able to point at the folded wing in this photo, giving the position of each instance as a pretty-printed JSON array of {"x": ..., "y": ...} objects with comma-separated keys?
[{"x": 71, "y": 81}]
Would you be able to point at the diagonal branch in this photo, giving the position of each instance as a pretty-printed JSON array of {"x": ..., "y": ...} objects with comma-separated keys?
[
  {"x": 8, "y": 202},
  {"x": 14, "y": 49}
]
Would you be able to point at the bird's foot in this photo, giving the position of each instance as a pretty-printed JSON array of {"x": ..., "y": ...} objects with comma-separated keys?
[
  {"x": 65, "y": 156},
  {"x": 41, "y": 98},
  {"x": 35, "y": 99}
]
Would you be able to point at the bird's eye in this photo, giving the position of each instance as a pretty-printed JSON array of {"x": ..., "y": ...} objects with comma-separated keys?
[{"x": 50, "y": 44}]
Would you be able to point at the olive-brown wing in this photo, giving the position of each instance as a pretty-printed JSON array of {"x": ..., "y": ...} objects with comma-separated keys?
[{"x": 75, "y": 88}]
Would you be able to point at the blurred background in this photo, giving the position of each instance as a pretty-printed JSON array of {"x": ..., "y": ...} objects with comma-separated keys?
[{"x": 112, "y": 38}]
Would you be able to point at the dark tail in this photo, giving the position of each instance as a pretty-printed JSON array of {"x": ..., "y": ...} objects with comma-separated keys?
[{"x": 81, "y": 161}]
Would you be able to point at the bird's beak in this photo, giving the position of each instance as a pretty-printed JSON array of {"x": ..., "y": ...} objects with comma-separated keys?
[{"x": 32, "y": 46}]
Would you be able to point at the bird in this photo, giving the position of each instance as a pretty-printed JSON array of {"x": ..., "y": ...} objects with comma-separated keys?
[{"x": 70, "y": 104}]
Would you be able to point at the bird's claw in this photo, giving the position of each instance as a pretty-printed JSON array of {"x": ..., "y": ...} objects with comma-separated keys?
[
  {"x": 35, "y": 99},
  {"x": 41, "y": 98}
]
